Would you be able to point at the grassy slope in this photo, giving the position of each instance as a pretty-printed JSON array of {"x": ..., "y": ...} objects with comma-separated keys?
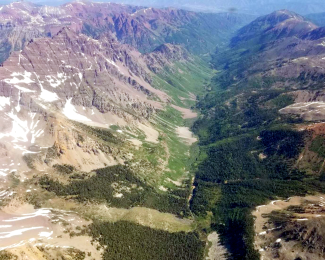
[{"x": 184, "y": 80}]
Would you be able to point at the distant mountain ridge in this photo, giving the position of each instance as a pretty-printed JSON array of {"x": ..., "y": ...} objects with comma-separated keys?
[
  {"x": 253, "y": 7},
  {"x": 143, "y": 28},
  {"x": 282, "y": 44}
]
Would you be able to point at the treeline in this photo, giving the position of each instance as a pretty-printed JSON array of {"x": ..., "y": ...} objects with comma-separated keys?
[
  {"x": 107, "y": 182},
  {"x": 128, "y": 241}
]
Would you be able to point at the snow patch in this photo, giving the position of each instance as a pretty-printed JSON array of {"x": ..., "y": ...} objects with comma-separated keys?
[
  {"x": 4, "y": 101},
  {"x": 46, "y": 95},
  {"x": 17, "y": 232},
  {"x": 70, "y": 112},
  {"x": 45, "y": 234},
  {"x": 26, "y": 78}
]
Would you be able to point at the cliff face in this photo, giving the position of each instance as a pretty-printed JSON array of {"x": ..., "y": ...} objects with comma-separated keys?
[
  {"x": 165, "y": 55},
  {"x": 71, "y": 65}
]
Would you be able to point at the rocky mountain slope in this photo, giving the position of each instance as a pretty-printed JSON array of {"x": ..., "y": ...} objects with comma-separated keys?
[
  {"x": 95, "y": 131},
  {"x": 296, "y": 223},
  {"x": 56, "y": 74}
]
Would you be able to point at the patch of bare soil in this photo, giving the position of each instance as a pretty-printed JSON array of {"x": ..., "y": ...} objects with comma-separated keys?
[
  {"x": 187, "y": 113},
  {"x": 284, "y": 228},
  {"x": 151, "y": 133},
  {"x": 216, "y": 250},
  {"x": 140, "y": 215},
  {"x": 309, "y": 111},
  {"x": 186, "y": 135}
]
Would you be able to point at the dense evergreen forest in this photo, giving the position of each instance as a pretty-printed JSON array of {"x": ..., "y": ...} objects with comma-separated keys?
[
  {"x": 102, "y": 186},
  {"x": 128, "y": 241}
]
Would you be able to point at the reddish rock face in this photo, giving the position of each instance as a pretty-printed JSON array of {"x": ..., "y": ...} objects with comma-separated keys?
[
  {"x": 72, "y": 76},
  {"x": 92, "y": 72}
]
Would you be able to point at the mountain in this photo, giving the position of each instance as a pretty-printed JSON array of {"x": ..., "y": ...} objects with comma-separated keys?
[
  {"x": 131, "y": 132},
  {"x": 95, "y": 144},
  {"x": 255, "y": 7},
  {"x": 23, "y": 21},
  {"x": 143, "y": 28},
  {"x": 53, "y": 75},
  {"x": 262, "y": 136},
  {"x": 70, "y": 105},
  {"x": 279, "y": 24},
  {"x": 289, "y": 44}
]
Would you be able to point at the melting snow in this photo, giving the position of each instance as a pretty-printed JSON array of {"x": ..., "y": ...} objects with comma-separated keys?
[
  {"x": 70, "y": 112},
  {"x": 17, "y": 232},
  {"x": 5, "y": 226},
  {"x": 4, "y": 101},
  {"x": 26, "y": 78},
  {"x": 18, "y": 105},
  {"x": 46, "y": 95},
  {"x": 23, "y": 89},
  {"x": 162, "y": 188},
  {"x": 45, "y": 234},
  {"x": 23, "y": 131},
  {"x": 18, "y": 128},
  {"x": 40, "y": 212},
  {"x": 322, "y": 44}
]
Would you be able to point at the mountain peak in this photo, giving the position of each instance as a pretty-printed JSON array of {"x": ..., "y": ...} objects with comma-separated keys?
[
  {"x": 279, "y": 24},
  {"x": 23, "y": 5},
  {"x": 282, "y": 15},
  {"x": 65, "y": 32}
]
